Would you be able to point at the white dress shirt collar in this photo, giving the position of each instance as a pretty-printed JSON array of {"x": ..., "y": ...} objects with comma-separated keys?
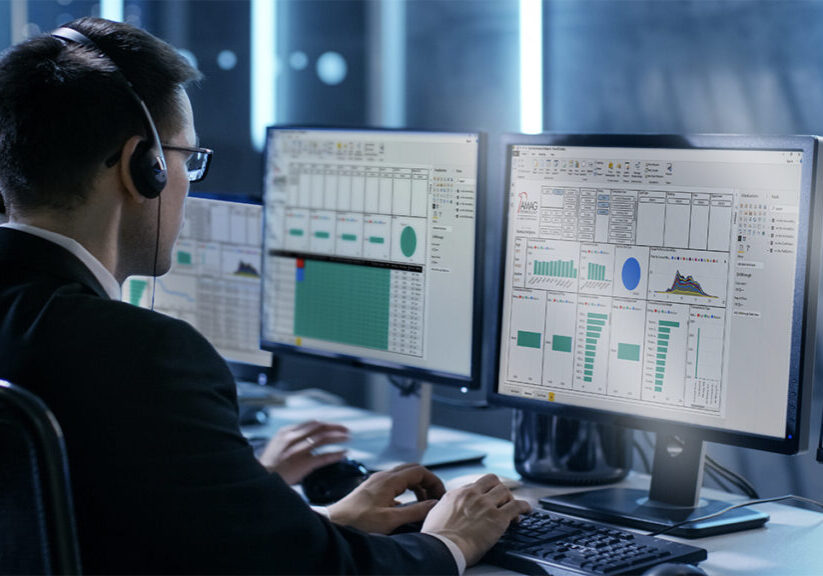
[{"x": 106, "y": 278}]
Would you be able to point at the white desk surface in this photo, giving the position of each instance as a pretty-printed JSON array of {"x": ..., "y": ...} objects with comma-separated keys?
[{"x": 791, "y": 543}]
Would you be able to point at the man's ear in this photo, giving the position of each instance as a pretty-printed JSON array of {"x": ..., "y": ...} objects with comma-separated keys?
[{"x": 125, "y": 168}]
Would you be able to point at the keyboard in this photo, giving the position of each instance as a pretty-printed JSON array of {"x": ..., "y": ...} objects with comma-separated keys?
[{"x": 550, "y": 543}]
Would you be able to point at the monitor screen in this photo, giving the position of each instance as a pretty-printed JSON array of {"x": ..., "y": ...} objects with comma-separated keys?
[
  {"x": 662, "y": 281},
  {"x": 214, "y": 281},
  {"x": 371, "y": 249}
]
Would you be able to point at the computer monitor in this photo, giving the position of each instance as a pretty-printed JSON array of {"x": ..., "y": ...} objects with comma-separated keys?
[
  {"x": 372, "y": 256},
  {"x": 662, "y": 283},
  {"x": 214, "y": 282}
]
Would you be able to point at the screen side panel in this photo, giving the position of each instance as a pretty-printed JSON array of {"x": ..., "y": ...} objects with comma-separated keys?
[
  {"x": 370, "y": 247},
  {"x": 654, "y": 283},
  {"x": 214, "y": 282}
]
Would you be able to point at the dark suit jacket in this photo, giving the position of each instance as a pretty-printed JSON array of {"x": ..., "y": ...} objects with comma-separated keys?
[{"x": 163, "y": 480}]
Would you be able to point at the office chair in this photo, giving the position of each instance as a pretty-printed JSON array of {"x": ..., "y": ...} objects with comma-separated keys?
[{"x": 37, "y": 532}]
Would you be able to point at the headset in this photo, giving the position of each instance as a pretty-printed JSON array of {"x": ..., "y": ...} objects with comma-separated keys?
[{"x": 148, "y": 164}]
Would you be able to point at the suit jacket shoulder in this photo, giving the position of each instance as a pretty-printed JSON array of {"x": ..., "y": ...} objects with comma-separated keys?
[{"x": 163, "y": 480}]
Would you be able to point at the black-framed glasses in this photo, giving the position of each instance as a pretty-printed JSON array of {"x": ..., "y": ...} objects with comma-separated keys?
[{"x": 197, "y": 164}]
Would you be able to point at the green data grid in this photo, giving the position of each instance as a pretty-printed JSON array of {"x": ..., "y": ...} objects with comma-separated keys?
[
  {"x": 343, "y": 303},
  {"x": 376, "y": 240}
]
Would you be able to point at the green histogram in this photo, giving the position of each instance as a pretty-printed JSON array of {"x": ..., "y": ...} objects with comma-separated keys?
[
  {"x": 343, "y": 303},
  {"x": 594, "y": 326},
  {"x": 557, "y": 268},
  {"x": 664, "y": 328},
  {"x": 528, "y": 339},
  {"x": 596, "y": 271},
  {"x": 561, "y": 343},
  {"x": 136, "y": 289},
  {"x": 184, "y": 258},
  {"x": 628, "y": 351}
]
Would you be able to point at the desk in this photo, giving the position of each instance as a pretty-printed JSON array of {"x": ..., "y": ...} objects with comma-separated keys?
[{"x": 788, "y": 544}]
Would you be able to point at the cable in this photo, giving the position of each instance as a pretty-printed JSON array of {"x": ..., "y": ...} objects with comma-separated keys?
[
  {"x": 156, "y": 252},
  {"x": 643, "y": 457},
  {"x": 735, "y": 507},
  {"x": 744, "y": 485}
]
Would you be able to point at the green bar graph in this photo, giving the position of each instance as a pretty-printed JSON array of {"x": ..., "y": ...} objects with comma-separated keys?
[
  {"x": 664, "y": 328},
  {"x": 137, "y": 287},
  {"x": 595, "y": 322},
  {"x": 376, "y": 240},
  {"x": 349, "y": 237},
  {"x": 596, "y": 271},
  {"x": 555, "y": 268},
  {"x": 561, "y": 343},
  {"x": 527, "y": 339},
  {"x": 295, "y": 232},
  {"x": 321, "y": 234},
  {"x": 628, "y": 351},
  {"x": 184, "y": 258}
]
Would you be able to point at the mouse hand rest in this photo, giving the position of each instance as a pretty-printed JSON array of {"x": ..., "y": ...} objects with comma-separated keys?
[{"x": 331, "y": 483}]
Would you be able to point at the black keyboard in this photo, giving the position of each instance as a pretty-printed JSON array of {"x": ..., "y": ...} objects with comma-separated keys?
[{"x": 550, "y": 543}]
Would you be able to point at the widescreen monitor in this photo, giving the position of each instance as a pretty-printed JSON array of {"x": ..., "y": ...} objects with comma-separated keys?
[
  {"x": 372, "y": 252},
  {"x": 214, "y": 282},
  {"x": 663, "y": 283}
]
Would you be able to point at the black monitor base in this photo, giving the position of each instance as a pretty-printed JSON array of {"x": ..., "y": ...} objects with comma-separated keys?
[{"x": 632, "y": 507}]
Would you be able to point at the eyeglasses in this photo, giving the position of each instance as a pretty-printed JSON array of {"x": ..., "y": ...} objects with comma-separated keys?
[{"x": 197, "y": 164}]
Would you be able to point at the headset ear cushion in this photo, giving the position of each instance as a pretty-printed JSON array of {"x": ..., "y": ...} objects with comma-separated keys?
[{"x": 147, "y": 170}]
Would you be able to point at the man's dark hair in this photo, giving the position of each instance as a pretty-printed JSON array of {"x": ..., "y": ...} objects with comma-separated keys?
[{"x": 64, "y": 110}]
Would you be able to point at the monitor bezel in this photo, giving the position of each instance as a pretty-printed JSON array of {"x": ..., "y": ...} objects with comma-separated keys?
[
  {"x": 801, "y": 378},
  {"x": 471, "y": 381}
]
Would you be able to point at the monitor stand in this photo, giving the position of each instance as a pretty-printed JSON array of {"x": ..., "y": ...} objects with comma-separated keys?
[
  {"x": 410, "y": 410},
  {"x": 673, "y": 497}
]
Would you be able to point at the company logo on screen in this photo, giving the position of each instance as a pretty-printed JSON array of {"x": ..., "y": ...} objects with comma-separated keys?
[{"x": 525, "y": 207}]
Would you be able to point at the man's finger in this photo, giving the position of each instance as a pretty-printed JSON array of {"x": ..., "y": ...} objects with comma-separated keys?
[
  {"x": 415, "y": 512},
  {"x": 486, "y": 483},
  {"x": 417, "y": 478},
  {"x": 515, "y": 508}
]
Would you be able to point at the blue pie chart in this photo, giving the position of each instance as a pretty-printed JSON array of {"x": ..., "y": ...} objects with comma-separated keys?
[{"x": 631, "y": 273}]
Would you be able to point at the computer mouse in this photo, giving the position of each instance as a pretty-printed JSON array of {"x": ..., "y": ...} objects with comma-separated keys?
[
  {"x": 674, "y": 569},
  {"x": 333, "y": 481}
]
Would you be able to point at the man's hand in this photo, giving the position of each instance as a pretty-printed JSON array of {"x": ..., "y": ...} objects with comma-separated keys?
[
  {"x": 372, "y": 507},
  {"x": 475, "y": 516},
  {"x": 291, "y": 452}
]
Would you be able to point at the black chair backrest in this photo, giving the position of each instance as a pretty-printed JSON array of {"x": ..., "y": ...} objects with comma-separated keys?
[{"x": 37, "y": 532}]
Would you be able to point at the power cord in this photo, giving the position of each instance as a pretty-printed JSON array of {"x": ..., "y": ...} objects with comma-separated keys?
[{"x": 735, "y": 507}]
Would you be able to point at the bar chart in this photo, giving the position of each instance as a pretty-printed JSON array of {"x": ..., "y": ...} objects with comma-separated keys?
[
  {"x": 665, "y": 362},
  {"x": 558, "y": 356},
  {"x": 552, "y": 264},
  {"x": 592, "y": 350}
]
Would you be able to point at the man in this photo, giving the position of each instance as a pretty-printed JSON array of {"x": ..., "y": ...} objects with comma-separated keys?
[{"x": 163, "y": 480}]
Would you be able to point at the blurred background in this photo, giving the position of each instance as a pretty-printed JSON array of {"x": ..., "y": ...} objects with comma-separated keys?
[{"x": 659, "y": 66}]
